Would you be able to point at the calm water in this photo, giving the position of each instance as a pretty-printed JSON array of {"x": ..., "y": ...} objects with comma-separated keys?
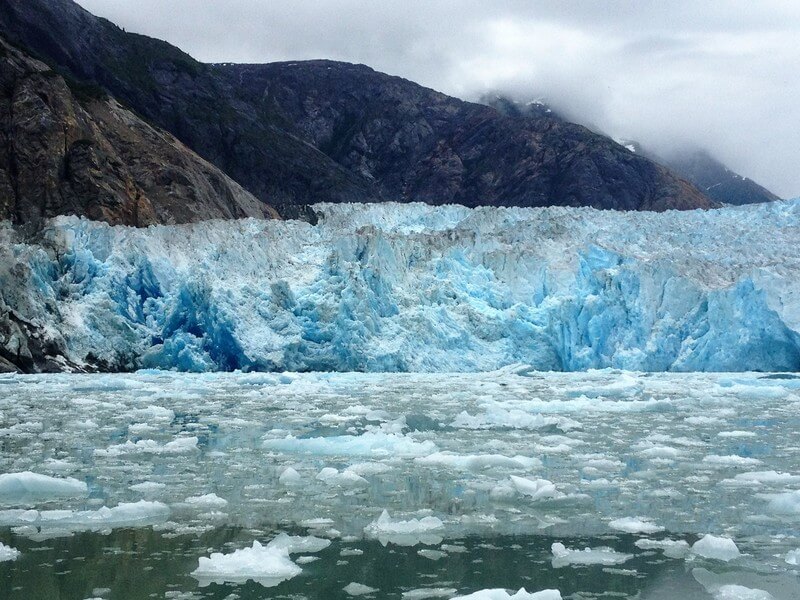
[{"x": 688, "y": 455}]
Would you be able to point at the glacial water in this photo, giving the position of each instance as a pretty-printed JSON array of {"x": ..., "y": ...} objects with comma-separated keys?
[{"x": 167, "y": 485}]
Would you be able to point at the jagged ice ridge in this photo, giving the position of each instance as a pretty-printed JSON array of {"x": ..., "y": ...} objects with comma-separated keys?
[{"x": 396, "y": 287}]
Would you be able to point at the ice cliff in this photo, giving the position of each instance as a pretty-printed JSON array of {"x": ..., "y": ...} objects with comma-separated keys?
[{"x": 411, "y": 288}]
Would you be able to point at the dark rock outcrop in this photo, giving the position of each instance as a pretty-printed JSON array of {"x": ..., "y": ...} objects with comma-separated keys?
[
  {"x": 716, "y": 180},
  {"x": 295, "y": 134},
  {"x": 90, "y": 156}
]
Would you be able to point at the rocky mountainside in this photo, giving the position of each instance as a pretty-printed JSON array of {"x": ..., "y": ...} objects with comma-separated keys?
[
  {"x": 63, "y": 151},
  {"x": 718, "y": 182},
  {"x": 296, "y": 134}
]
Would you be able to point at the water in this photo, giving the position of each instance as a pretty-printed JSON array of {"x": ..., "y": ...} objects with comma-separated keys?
[{"x": 689, "y": 453}]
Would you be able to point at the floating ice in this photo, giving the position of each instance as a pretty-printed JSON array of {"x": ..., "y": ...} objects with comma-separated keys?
[
  {"x": 207, "y": 501},
  {"x": 730, "y": 461},
  {"x": 537, "y": 489},
  {"x": 740, "y": 592},
  {"x": 290, "y": 476},
  {"x": 716, "y": 548},
  {"x": 367, "y": 444},
  {"x": 563, "y": 556},
  {"x": 476, "y": 462},
  {"x": 178, "y": 446},
  {"x": 635, "y": 525},
  {"x": 522, "y": 594},
  {"x": 793, "y": 557},
  {"x": 787, "y": 503},
  {"x": 8, "y": 553},
  {"x": 268, "y": 565},
  {"x": 33, "y": 486},
  {"x": 358, "y": 589},
  {"x": 346, "y": 478},
  {"x": 405, "y": 533},
  {"x": 425, "y": 593},
  {"x": 757, "y": 478},
  {"x": 125, "y": 514},
  {"x": 671, "y": 548}
]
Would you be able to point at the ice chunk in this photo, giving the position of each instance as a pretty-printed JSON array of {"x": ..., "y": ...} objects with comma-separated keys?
[
  {"x": 522, "y": 594},
  {"x": 147, "y": 487},
  {"x": 671, "y": 548},
  {"x": 563, "y": 556},
  {"x": 787, "y": 503},
  {"x": 431, "y": 554},
  {"x": 756, "y": 478},
  {"x": 793, "y": 557},
  {"x": 635, "y": 525},
  {"x": 358, "y": 589},
  {"x": 8, "y": 553},
  {"x": 133, "y": 514},
  {"x": 537, "y": 489},
  {"x": 740, "y": 592},
  {"x": 476, "y": 462},
  {"x": 268, "y": 565},
  {"x": 404, "y": 533},
  {"x": 346, "y": 478},
  {"x": 425, "y": 593},
  {"x": 290, "y": 476},
  {"x": 730, "y": 461},
  {"x": 368, "y": 444},
  {"x": 207, "y": 501},
  {"x": 33, "y": 486},
  {"x": 385, "y": 524},
  {"x": 178, "y": 446},
  {"x": 716, "y": 548}
]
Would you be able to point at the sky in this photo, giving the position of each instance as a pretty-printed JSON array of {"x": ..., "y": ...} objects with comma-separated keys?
[{"x": 723, "y": 75}]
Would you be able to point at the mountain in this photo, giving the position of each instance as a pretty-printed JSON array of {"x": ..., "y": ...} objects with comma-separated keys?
[
  {"x": 716, "y": 180},
  {"x": 697, "y": 166},
  {"x": 64, "y": 151},
  {"x": 299, "y": 133}
]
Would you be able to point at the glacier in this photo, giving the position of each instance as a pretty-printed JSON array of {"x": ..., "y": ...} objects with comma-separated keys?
[{"x": 411, "y": 287}]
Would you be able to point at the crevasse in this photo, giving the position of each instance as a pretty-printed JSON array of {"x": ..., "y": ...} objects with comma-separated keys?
[{"x": 410, "y": 287}]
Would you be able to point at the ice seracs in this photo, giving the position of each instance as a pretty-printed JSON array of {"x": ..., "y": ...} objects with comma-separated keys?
[{"x": 413, "y": 287}]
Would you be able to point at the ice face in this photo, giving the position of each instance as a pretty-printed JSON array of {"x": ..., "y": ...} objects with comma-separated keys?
[{"x": 419, "y": 288}]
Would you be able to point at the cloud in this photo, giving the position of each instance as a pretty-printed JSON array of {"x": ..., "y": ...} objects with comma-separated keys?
[{"x": 720, "y": 75}]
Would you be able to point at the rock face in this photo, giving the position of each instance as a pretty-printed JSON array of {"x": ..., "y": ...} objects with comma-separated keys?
[
  {"x": 716, "y": 180},
  {"x": 61, "y": 154},
  {"x": 296, "y": 134}
]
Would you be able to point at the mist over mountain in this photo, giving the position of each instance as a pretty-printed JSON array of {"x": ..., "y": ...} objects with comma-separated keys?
[{"x": 694, "y": 164}]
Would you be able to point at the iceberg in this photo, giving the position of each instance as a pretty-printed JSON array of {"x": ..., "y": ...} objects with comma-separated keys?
[
  {"x": 267, "y": 565},
  {"x": 412, "y": 287},
  {"x": 716, "y": 548},
  {"x": 33, "y": 486}
]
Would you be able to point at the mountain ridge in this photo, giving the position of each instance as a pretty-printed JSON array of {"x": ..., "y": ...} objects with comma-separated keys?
[{"x": 299, "y": 133}]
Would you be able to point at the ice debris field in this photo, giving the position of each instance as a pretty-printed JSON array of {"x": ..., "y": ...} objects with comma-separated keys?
[
  {"x": 414, "y": 288},
  {"x": 505, "y": 484}
]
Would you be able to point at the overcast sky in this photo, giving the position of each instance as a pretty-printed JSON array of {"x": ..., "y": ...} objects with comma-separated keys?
[{"x": 722, "y": 74}]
